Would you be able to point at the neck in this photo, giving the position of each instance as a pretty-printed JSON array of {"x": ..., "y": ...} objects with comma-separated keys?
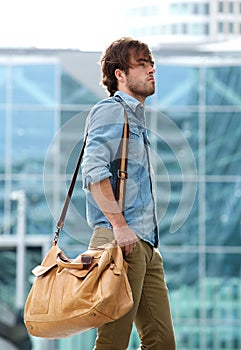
[{"x": 138, "y": 97}]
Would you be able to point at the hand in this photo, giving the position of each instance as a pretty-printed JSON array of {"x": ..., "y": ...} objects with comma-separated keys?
[{"x": 126, "y": 238}]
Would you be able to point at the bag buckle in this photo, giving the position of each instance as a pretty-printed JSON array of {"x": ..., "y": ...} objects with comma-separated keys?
[
  {"x": 86, "y": 261},
  {"x": 122, "y": 174}
]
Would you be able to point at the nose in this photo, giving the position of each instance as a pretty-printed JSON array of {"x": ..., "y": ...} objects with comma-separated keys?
[{"x": 152, "y": 70}]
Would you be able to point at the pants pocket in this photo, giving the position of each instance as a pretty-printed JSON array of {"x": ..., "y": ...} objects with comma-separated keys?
[{"x": 100, "y": 236}]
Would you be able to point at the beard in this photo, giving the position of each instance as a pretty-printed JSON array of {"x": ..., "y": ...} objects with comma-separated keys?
[{"x": 140, "y": 88}]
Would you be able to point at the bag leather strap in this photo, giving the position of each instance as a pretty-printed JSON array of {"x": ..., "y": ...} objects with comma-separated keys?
[
  {"x": 121, "y": 177},
  {"x": 122, "y": 174}
]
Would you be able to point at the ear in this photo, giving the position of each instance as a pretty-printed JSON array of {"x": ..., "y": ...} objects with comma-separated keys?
[{"x": 120, "y": 75}]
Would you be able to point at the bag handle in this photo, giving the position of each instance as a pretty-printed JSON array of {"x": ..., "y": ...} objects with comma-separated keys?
[
  {"x": 86, "y": 261},
  {"x": 121, "y": 176}
]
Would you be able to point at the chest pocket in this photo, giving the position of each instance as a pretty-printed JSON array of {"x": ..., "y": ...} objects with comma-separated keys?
[{"x": 136, "y": 143}]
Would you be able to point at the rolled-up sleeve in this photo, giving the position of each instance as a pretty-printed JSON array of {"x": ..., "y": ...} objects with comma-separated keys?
[{"x": 104, "y": 127}]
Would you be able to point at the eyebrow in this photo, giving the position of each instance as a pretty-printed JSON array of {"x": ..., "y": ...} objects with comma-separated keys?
[{"x": 145, "y": 60}]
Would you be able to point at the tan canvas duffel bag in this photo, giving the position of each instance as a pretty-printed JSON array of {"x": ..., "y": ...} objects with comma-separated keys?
[{"x": 69, "y": 297}]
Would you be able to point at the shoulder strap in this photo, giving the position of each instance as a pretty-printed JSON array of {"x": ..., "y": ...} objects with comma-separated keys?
[
  {"x": 60, "y": 223},
  {"x": 121, "y": 176}
]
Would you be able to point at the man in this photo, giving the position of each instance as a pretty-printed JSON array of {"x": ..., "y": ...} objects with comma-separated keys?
[{"x": 128, "y": 74}]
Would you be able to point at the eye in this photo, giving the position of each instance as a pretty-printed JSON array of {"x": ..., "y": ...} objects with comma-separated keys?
[{"x": 142, "y": 64}]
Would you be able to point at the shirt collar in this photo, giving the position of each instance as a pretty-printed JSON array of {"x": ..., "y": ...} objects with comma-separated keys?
[
  {"x": 132, "y": 102},
  {"x": 137, "y": 108}
]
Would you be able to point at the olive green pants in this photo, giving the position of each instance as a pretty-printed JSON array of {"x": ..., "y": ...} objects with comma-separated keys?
[{"x": 151, "y": 311}]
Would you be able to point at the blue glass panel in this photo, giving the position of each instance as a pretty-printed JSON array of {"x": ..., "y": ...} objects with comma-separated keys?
[
  {"x": 72, "y": 92},
  {"x": 223, "y": 295},
  {"x": 179, "y": 140},
  {"x": 223, "y": 266},
  {"x": 84, "y": 341},
  {"x": 223, "y": 212},
  {"x": 8, "y": 278},
  {"x": 74, "y": 119},
  {"x": 75, "y": 226},
  {"x": 72, "y": 123},
  {"x": 179, "y": 197},
  {"x": 181, "y": 270},
  {"x": 3, "y": 84},
  {"x": 34, "y": 84},
  {"x": 32, "y": 133},
  {"x": 188, "y": 337},
  {"x": 33, "y": 258},
  {"x": 223, "y": 151},
  {"x": 223, "y": 334},
  {"x": 208, "y": 335},
  {"x": 2, "y": 140},
  {"x": 223, "y": 86},
  {"x": 39, "y": 219},
  {"x": 175, "y": 85},
  {"x": 2, "y": 185}
]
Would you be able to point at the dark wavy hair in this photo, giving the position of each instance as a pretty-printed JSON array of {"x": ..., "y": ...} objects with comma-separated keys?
[{"x": 117, "y": 56}]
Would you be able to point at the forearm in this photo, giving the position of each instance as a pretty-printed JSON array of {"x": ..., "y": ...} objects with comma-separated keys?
[{"x": 104, "y": 197}]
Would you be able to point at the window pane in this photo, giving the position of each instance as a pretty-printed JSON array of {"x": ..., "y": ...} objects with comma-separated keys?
[
  {"x": 188, "y": 337},
  {"x": 2, "y": 140},
  {"x": 179, "y": 268},
  {"x": 73, "y": 92},
  {"x": 206, "y": 8},
  {"x": 220, "y": 6},
  {"x": 220, "y": 27},
  {"x": 170, "y": 202},
  {"x": 73, "y": 124},
  {"x": 8, "y": 278},
  {"x": 182, "y": 281},
  {"x": 206, "y": 29},
  {"x": 223, "y": 212},
  {"x": 34, "y": 84},
  {"x": 174, "y": 138},
  {"x": 223, "y": 86},
  {"x": 76, "y": 226},
  {"x": 39, "y": 219},
  {"x": 223, "y": 335},
  {"x": 176, "y": 86},
  {"x": 2, "y": 186},
  {"x": 224, "y": 266},
  {"x": 32, "y": 133},
  {"x": 3, "y": 79},
  {"x": 223, "y": 152},
  {"x": 33, "y": 258}
]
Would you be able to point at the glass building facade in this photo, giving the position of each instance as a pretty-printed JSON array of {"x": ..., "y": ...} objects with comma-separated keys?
[
  {"x": 194, "y": 123},
  {"x": 183, "y": 21}
]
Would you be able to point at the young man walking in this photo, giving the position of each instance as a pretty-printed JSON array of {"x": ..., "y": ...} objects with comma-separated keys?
[{"x": 128, "y": 74}]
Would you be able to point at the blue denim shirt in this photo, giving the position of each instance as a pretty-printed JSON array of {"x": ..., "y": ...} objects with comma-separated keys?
[{"x": 105, "y": 126}]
